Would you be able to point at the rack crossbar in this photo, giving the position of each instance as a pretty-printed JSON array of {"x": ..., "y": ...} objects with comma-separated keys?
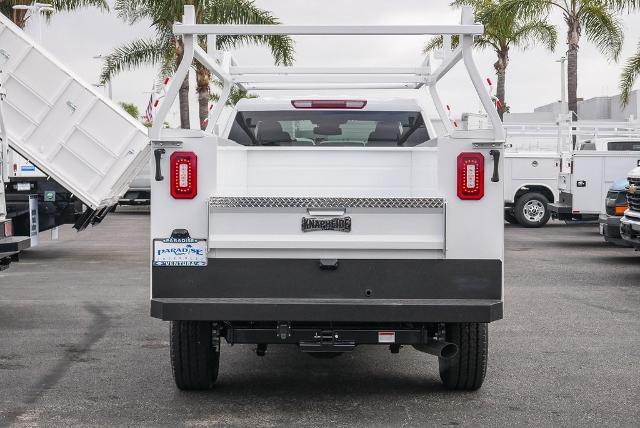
[
  {"x": 328, "y": 30},
  {"x": 239, "y": 70},
  {"x": 327, "y": 79}
]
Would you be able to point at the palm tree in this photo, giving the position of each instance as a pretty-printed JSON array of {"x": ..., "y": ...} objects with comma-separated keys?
[
  {"x": 166, "y": 50},
  {"x": 19, "y": 17},
  {"x": 130, "y": 108},
  {"x": 503, "y": 31},
  {"x": 235, "y": 95},
  {"x": 598, "y": 19},
  {"x": 630, "y": 73}
]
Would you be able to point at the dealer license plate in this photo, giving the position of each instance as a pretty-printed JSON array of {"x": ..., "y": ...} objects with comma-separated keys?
[{"x": 180, "y": 252}]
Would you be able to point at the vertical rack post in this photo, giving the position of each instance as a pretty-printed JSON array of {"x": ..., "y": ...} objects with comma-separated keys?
[{"x": 181, "y": 73}]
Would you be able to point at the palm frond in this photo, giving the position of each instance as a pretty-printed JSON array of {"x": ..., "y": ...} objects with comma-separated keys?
[
  {"x": 234, "y": 97},
  {"x": 246, "y": 12},
  {"x": 624, "y": 5},
  {"x": 69, "y": 5},
  {"x": 630, "y": 74},
  {"x": 437, "y": 42},
  {"x": 21, "y": 17},
  {"x": 536, "y": 32},
  {"x": 602, "y": 27},
  {"x": 130, "y": 11},
  {"x": 528, "y": 9},
  {"x": 133, "y": 55}
]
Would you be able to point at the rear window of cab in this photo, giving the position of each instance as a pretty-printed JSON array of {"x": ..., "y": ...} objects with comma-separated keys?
[{"x": 329, "y": 128}]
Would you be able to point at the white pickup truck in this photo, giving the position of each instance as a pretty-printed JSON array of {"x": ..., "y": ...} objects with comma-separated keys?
[{"x": 327, "y": 222}]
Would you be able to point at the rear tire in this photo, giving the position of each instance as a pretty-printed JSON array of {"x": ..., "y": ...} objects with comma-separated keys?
[
  {"x": 532, "y": 210},
  {"x": 467, "y": 369},
  {"x": 510, "y": 217},
  {"x": 195, "y": 358}
]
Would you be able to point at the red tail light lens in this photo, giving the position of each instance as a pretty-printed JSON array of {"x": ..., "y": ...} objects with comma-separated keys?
[
  {"x": 184, "y": 175},
  {"x": 8, "y": 229},
  {"x": 329, "y": 104},
  {"x": 470, "y": 176}
]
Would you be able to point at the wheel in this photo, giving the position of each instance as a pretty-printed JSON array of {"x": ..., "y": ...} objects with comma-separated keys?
[
  {"x": 466, "y": 370},
  {"x": 510, "y": 217},
  {"x": 532, "y": 210},
  {"x": 195, "y": 358}
]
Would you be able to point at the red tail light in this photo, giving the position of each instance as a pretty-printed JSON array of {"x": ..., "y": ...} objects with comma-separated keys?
[
  {"x": 184, "y": 175},
  {"x": 329, "y": 104},
  {"x": 8, "y": 229},
  {"x": 470, "y": 176}
]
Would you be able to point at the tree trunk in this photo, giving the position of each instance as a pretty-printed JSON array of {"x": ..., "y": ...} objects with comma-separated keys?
[
  {"x": 19, "y": 17},
  {"x": 203, "y": 78},
  {"x": 501, "y": 72},
  {"x": 573, "y": 39},
  {"x": 183, "y": 94}
]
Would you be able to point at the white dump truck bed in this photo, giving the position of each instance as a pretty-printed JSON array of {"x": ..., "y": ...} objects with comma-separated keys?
[{"x": 63, "y": 126}]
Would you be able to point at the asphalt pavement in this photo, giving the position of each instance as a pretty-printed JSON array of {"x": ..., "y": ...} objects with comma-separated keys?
[{"x": 77, "y": 347}]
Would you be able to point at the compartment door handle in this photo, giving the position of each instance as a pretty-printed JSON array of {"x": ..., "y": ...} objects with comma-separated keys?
[
  {"x": 495, "y": 154},
  {"x": 157, "y": 153}
]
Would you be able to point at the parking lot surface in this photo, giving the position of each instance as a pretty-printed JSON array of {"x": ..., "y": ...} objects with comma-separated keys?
[{"x": 77, "y": 347}]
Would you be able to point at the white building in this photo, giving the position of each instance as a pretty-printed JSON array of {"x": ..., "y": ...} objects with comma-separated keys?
[{"x": 600, "y": 108}]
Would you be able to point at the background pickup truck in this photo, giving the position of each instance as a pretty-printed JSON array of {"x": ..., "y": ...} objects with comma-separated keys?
[{"x": 630, "y": 223}]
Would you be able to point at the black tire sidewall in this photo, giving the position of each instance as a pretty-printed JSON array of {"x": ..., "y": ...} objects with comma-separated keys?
[
  {"x": 467, "y": 369},
  {"x": 195, "y": 359},
  {"x": 522, "y": 201},
  {"x": 510, "y": 217}
]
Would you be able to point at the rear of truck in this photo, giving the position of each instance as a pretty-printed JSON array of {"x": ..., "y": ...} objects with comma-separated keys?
[{"x": 328, "y": 223}]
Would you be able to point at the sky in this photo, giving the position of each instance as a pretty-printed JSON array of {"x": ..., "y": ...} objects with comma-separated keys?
[{"x": 533, "y": 77}]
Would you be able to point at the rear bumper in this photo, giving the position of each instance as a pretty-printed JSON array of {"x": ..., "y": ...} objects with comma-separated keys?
[
  {"x": 560, "y": 208},
  {"x": 356, "y": 291},
  {"x": 322, "y": 310},
  {"x": 14, "y": 244},
  {"x": 564, "y": 205}
]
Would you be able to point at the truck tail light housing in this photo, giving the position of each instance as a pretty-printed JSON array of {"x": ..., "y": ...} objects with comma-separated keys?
[
  {"x": 8, "y": 229},
  {"x": 184, "y": 175},
  {"x": 329, "y": 104},
  {"x": 471, "y": 176}
]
